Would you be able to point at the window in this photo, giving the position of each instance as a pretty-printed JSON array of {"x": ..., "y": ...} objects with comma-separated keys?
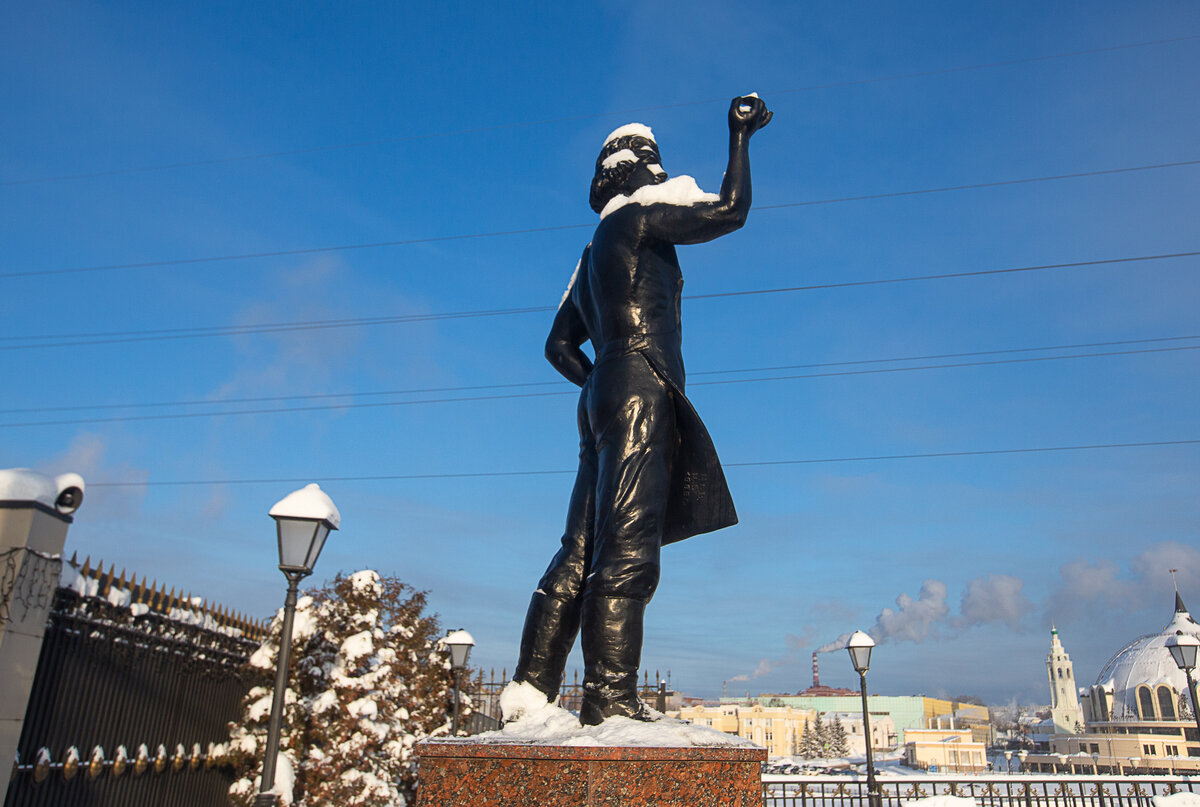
[
  {"x": 1166, "y": 703},
  {"x": 1102, "y": 702},
  {"x": 1150, "y": 750},
  {"x": 1171, "y": 750},
  {"x": 1145, "y": 703},
  {"x": 1095, "y": 748}
]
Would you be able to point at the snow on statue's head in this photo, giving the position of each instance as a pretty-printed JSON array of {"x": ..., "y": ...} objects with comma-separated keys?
[{"x": 628, "y": 161}]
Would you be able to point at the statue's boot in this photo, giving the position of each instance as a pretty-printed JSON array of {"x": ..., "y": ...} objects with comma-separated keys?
[
  {"x": 612, "y": 653},
  {"x": 551, "y": 625}
]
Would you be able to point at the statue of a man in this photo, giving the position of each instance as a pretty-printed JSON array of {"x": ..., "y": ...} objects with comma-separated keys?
[{"x": 648, "y": 473}]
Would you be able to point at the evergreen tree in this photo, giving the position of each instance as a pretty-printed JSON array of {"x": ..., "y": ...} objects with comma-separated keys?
[
  {"x": 838, "y": 745},
  {"x": 821, "y": 737},
  {"x": 1185, "y": 709},
  {"x": 368, "y": 679},
  {"x": 809, "y": 743}
]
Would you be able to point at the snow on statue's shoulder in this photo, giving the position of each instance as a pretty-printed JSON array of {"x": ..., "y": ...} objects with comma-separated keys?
[
  {"x": 540, "y": 723},
  {"x": 681, "y": 190}
]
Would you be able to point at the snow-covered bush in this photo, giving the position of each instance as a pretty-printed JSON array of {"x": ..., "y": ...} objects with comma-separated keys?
[{"x": 368, "y": 679}]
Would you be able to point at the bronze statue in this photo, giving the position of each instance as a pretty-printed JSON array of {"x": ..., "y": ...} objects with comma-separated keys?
[{"x": 648, "y": 473}]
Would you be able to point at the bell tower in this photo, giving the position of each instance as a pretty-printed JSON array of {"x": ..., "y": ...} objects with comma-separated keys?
[{"x": 1064, "y": 697}]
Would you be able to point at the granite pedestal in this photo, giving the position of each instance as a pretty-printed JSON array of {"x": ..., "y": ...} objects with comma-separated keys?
[{"x": 458, "y": 773}]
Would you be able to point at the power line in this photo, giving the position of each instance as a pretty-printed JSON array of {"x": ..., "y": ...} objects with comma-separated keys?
[
  {"x": 163, "y": 334},
  {"x": 527, "y": 395},
  {"x": 561, "y": 382},
  {"x": 582, "y": 117},
  {"x": 759, "y": 464},
  {"x": 557, "y": 228}
]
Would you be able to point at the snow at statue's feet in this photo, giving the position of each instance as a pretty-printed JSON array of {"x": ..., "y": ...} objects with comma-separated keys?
[{"x": 535, "y": 722}]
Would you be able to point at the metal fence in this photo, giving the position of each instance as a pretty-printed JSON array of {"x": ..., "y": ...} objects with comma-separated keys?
[
  {"x": 990, "y": 791},
  {"x": 485, "y": 698},
  {"x": 125, "y": 709}
]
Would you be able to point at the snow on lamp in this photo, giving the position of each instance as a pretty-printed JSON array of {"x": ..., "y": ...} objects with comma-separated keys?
[{"x": 303, "y": 520}]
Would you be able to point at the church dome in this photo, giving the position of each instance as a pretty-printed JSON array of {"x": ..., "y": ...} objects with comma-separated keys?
[{"x": 1135, "y": 674}]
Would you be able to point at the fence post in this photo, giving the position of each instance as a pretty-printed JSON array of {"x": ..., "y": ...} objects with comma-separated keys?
[{"x": 34, "y": 516}]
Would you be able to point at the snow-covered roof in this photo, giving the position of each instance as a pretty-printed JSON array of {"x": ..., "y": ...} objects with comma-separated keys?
[
  {"x": 308, "y": 502},
  {"x": 1146, "y": 660},
  {"x": 25, "y": 485}
]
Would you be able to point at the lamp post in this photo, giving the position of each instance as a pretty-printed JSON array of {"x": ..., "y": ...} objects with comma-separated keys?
[
  {"x": 1133, "y": 763},
  {"x": 1008, "y": 760},
  {"x": 1183, "y": 649},
  {"x": 1096, "y": 763},
  {"x": 859, "y": 646},
  {"x": 303, "y": 520},
  {"x": 459, "y": 643},
  {"x": 1021, "y": 756}
]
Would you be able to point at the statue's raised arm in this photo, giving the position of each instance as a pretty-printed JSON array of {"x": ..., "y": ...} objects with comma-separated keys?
[{"x": 706, "y": 220}]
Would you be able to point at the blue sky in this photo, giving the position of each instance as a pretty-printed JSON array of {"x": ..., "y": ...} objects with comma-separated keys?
[{"x": 136, "y": 133}]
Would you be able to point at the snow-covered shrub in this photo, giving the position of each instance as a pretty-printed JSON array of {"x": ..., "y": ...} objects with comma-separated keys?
[{"x": 368, "y": 679}]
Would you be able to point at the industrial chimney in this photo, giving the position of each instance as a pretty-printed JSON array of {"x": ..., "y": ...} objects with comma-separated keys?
[{"x": 816, "y": 673}]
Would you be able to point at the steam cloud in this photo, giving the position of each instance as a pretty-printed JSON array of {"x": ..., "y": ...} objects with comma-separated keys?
[{"x": 992, "y": 598}]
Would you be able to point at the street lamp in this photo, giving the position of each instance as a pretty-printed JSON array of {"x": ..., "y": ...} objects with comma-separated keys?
[
  {"x": 1183, "y": 649},
  {"x": 1096, "y": 762},
  {"x": 1008, "y": 760},
  {"x": 459, "y": 643},
  {"x": 1021, "y": 756},
  {"x": 303, "y": 520},
  {"x": 859, "y": 646}
]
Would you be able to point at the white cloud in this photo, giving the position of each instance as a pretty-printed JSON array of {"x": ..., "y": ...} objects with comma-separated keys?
[
  {"x": 994, "y": 598},
  {"x": 87, "y": 456},
  {"x": 915, "y": 618}
]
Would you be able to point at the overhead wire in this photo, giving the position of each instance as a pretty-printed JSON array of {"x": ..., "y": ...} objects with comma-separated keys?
[
  {"x": 278, "y": 253},
  {"x": 561, "y": 382},
  {"x": 164, "y": 334},
  {"x": 556, "y": 393},
  {"x": 585, "y": 116},
  {"x": 750, "y": 464}
]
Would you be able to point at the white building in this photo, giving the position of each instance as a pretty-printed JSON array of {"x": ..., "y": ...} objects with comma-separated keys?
[
  {"x": 1064, "y": 703},
  {"x": 883, "y": 728}
]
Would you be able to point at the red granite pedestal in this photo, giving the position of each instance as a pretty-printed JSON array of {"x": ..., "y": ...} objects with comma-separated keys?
[{"x": 453, "y": 773}]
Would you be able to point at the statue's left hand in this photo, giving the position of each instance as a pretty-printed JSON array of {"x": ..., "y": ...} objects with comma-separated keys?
[{"x": 748, "y": 113}]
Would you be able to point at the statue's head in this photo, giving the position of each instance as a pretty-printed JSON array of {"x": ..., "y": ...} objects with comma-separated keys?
[{"x": 628, "y": 161}]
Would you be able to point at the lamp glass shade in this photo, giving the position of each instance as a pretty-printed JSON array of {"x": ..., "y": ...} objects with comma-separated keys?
[
  {"x": 859, "y": 647},
  {"x": 300, "y": 542},
  {"x": 459, "y": 644},
  {"x": 860, "y": 657},
  {"x": 1183, "y": 649}
]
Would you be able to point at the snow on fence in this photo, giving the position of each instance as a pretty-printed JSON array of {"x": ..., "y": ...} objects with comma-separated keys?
[
  {"x": 985, "y": 791},
  {"x": 132, "y": 696}
]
